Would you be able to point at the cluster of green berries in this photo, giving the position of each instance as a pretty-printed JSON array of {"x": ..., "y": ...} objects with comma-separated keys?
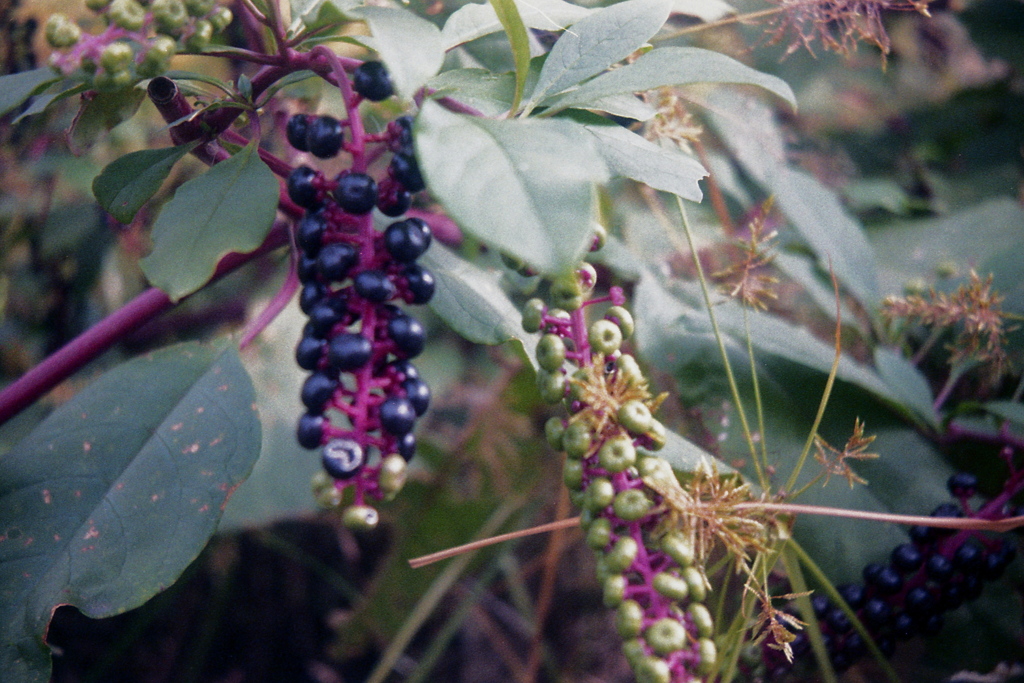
[
  {"x": 139, "y": 41},
  {"x": 363, "y": 394},
  {"x": 648, "y": 569},
  {"x": 937, "y": 571}
]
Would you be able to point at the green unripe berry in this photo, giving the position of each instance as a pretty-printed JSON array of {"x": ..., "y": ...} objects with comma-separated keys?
[
  {"x": 554, "y": 428},
  {"x": 679, "y": 548},
  {"x": 657, "y": 434},
  {"x": 198, "y": 8},
  {"x": 392, "y": 475},
  {"x": 61, "y": 32},
  {"x": 652, "y": 670},
  {"x": 652, "y": 466},
  {"x": 604, "y": 336},
  {"x": 533, "y": 313},
  {"x": 629, "y": 619},
  {"x": 600, "y": 237},
  {"x": 158, "y": 57},
  {"x": 578, "y": 499},
  {"x": 634, "y": 651},
  {"x": 551, "y": 352},
  {"x": 629, "y": 369},
  {"x": 97, "y": 5},
  {"x": 559, "y": 314},
  {"x": 202, "y": 34},
  {"x": 586, "y": 519},
  {"x": 702, "y": 620},
  {"x": 360, "y": 518},
  {"x": 117, "y": 57},
  {"x": 698, "y": 585},
  {"x": 328, "y": 498},
  {"x": 600, "y": 494},
  {"x": 614, "y": 590},
  {"x": 109, "y": 81},
  {"x": 631, "y": 505},
  {"x": 566, "y": 292},
  {"x": 708, "y": 655},
  {"x": 577, "y": 439},
  {"x": 671, "y": 586},
  {"x": 586, "y": 275},
  {"x": 576, "y": 386},
  {"x": 127, "y": 14},
  {"x": 551, "y": 386},
  {"x": 622, "y": 554},
  {"x": 321, "y": 481},
  {"x": 617, "y": 454},
  {"x": 621, "y": 317},
  {"x": 665, "y": 636},
  {"x": 221, "y": 19},
  {"x": 572, "y": 474},
  {"x": 599, "y": 534},
  {"x": 170, "y": 15},
  {"x": 635, "y": 416}
]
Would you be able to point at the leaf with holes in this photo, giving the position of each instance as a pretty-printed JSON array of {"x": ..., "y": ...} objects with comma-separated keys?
[{"x": 112, "y": 496}]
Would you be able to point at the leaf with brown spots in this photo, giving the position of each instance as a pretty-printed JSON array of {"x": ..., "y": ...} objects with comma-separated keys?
[{"x": 112, "y": 496}]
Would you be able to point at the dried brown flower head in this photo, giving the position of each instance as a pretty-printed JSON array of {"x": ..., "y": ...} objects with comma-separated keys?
[
  {"x": 746, "y": 279},
  {"x": 836, "y": 462}
]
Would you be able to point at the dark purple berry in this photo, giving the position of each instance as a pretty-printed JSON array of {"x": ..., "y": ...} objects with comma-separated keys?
[
  {"x": 408, "y": 334},
  {"x": 997, "y": 560},
  {"x": 951, "y": 597},
  {"x": 356, "y": 193},
  {"x": 968, "y": 558},
  {"x": 310, "y": 233},
  {"x": 308, "y": 352},
  {"x": 310, "y": 430},
  {"x": 336, "y": 259},
  {"x": 324, "y": 137},
  {"x": 939, "y": 568},
  {"x": 342, "y": 458},
  {"x": 310, "y": 295},
  {"x": 853, "y": 646},
  {"x": 971, "y": 587},
  {"x": 407, "y": 240},
  {"x": 317, "y": 390},
  {"x": 886, "y": 645},
  {"x": 903, "y": 626},
  {"x": 888, "y": 581},
  {"x": 821, "y": 605},
  {"x": 372, "y": 81},
  {"x": 407, "y": 446},
  {"x": 305, "y": 268},
  {"x": 404, "y": 370},
  {"x": 871, "y": 572},
  {"x": 853, "y": 594},
  {"x": 326, "y": 314},
  {"x": 374, "y": 285},
  {"x": 801, "y": 644},
  {"x": 838, "y": 621},
  {"x": 349, "y": 351},
  {"x": 397, "y": 415},
  {"x": 962, "y": 484},
  {"x": 301, "y": 189},
  {"x": 931, "y": 625},
  {"x": 876, "y": 612},
  {"x": 392, "y": 199},
  {"x": 906, "y": 557},
  {"x": 400, "y": 134},
  {"x": 420, "y": 282},
  {"x": 840, "y": 661},
  {"x": 418, "y": 393},
  {"x": 295, "y": 131},
  {"x": 945, "y": 510},
  {"x": 920, "y": 603},
  {"x": 921, "y": 535},
  {"x": 406, "y": 171}
]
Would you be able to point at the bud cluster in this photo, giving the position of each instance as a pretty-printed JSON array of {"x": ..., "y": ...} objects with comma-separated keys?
[
  {"x": 139, "y": 41},
  {"x": 650, "y": 571}
]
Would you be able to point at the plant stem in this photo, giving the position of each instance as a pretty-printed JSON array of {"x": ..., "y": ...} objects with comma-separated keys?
[{"x": 736, "y": 18}]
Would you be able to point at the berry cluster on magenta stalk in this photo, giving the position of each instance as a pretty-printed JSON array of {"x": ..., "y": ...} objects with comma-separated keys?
[
  {"x": 363, "y": 394},
  {"x": 936, "y": 572},
  {"x": 650, "y": 572}
]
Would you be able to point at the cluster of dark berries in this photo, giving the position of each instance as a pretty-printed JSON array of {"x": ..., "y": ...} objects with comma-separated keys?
[
  {"x": 938, "y": 571},
  {"x": 363, "y": 395}
]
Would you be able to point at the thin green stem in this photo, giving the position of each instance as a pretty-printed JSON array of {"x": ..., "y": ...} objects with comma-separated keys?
[
  {"x": 706, "y": 291},
  {"x": 760, "y": 465},
  {"x": 735, "y": 19},
  {"x": 798, "y": 584}
]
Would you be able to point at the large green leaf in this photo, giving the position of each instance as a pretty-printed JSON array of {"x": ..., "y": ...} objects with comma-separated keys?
[
  {"x": 473, "y": 304},
  {"x": 523, "y": 186},
  {"x": 474, "y": 21},
  {"x": 597, "y": 42},
  {"x": 315, "y": 14},
  {"x": 669, "y": 66},
  {"x": 632, "y": 156},
  {"x": 230, "y": 208},
  {"x": 108, "y": 500},
  {"x": 410, "y": 46},
  {"x": 99, "y": 113},
  {"x": 128, "y": 183},
  {"x": 16, "y": 88},
  {"x": 489, "y": 93}
]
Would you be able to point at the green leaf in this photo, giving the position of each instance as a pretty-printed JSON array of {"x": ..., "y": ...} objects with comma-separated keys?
[
  {"x": 101, "y": 112},
  {"x": 670, "y": 66},
  {"x": 108, "y": 500},
  {"x": 705, "y": 10},
  {"x": 408, "y": 45},
  {"x": 508, "y": 14},
  {"x": 525, "y": 187},
  {"x": 473, "y": 303},
  {"x": 626, "y": 106},
  {"x": 1007, "y": 410},
  {"x": 16, "y": 88},
  {"x": 685, "y": 456},
  {"x": 597, "y": 42},
  {"x": 473, "y": 21},
  {"x": 128, "y": 183},
  {"x": 632, "y": 156},
  {"x": 487, "y": 92},
  {"x": 907, "y": 383},
  {"x": 230, "y": 208},
  {"x": 314, "y": 14}
]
